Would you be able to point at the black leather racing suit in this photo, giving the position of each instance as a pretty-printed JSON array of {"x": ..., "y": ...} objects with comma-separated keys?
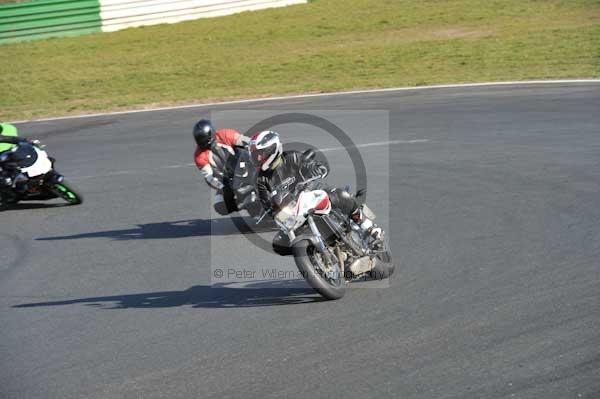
[
  {"x": 292, "y": 165},
  {"x": 223, "y": 169}
]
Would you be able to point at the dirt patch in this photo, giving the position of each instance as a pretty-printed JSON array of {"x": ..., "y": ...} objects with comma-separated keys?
[{"x": 459, "y": 32}]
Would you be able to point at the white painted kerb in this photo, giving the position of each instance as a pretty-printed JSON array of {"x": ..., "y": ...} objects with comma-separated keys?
[{"x": 121, "y": 14}]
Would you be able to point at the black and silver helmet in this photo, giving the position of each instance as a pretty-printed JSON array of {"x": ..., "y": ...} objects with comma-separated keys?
[{"x": 204, "y": 133}]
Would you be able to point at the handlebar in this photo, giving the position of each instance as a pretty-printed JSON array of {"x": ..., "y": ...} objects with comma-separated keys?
[{"x": 305, "y": 182}]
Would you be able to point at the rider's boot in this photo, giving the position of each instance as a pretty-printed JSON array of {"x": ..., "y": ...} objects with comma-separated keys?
[
  {"x": 367, "y": 224},
  {"x": 221, "y": 208},
  {"x": 220, "y": 205}
]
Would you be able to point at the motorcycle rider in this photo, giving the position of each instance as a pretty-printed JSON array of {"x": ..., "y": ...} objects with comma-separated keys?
[
  {"x": 275, "y": 165},
  {"x": 9, "y": 138},
  {"x": 214, "y": 147}
]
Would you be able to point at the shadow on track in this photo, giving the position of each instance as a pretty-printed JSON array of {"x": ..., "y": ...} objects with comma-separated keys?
[
  {"x": 176, "y": 229},
  {"x": 269, "y": 293},
  {"x": 26, "y": 206}
]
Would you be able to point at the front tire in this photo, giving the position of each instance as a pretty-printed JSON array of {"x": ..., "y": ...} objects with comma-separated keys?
[
  {"x": 65, "y": 191},
  {"x": 304, "y": 255}
]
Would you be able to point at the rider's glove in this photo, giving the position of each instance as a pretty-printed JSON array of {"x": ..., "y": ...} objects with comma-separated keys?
[
  {"x": 322, "y": 171},
  {"x": 37, "y": 143}
]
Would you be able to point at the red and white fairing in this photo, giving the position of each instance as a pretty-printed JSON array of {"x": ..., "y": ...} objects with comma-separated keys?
[
  {"x": 294, "y": 214},
  {"x": 323, "y": 204}
]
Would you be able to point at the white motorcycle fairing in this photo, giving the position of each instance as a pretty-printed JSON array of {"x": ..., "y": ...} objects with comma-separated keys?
[
  {"x": 293, "y": 215},
  {"x": 41, "y": 166}
]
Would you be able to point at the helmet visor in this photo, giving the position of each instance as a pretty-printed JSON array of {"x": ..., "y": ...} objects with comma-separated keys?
[
  {"x": 259, "y": 155},
  {"x": 204, "y": 141}
]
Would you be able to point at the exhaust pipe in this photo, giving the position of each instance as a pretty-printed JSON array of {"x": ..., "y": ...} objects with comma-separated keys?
[{"x": 362, "y": 265}]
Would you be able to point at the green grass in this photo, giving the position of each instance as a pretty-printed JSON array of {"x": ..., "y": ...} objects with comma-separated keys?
[{"x": 326, "y": 45}]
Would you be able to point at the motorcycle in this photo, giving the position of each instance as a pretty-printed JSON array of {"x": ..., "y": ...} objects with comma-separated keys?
[
  {"x": 28, "y": 174},
  {"x": 330, "y": 249}
]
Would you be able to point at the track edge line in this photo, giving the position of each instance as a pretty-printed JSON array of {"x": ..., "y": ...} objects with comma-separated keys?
[{"x": 330, "y": 94}]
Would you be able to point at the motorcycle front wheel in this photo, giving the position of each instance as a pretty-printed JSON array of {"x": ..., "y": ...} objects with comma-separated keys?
[
  {"x": 330, "y": 285},
  {"x": 65, "y": 191}
]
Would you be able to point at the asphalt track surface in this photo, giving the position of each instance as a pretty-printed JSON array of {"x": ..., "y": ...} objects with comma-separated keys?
[{"x": 494, "y": 219}]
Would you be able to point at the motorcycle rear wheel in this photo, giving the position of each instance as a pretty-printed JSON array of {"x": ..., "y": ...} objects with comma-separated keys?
[
  {"x": 304, "y": 255},
  {"x": 7, "y": 201},
  {"x": 384, "y": 267}
]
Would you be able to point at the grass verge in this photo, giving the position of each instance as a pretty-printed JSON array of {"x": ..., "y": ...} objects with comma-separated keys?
[{"x": 326, "y": 45}]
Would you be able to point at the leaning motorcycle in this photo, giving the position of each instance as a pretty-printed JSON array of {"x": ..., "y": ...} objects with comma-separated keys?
[
  {"x": 28, "y": 174},
  {"x": 330, "y": 249}
]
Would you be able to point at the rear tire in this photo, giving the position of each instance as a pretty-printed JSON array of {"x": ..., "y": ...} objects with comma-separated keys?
[
  {"x": 65, "y": 191},
  {"x": 6, "y": 202},
  {"x": 384, "y": 267},
  {"x": 303, "y": 255}
]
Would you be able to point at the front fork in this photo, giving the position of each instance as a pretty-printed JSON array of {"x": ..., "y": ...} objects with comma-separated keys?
[{"x": 320, "y": 243}]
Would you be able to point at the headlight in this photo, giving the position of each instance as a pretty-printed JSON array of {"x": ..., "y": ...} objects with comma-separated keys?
[{"x": 286, "y": 216}]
